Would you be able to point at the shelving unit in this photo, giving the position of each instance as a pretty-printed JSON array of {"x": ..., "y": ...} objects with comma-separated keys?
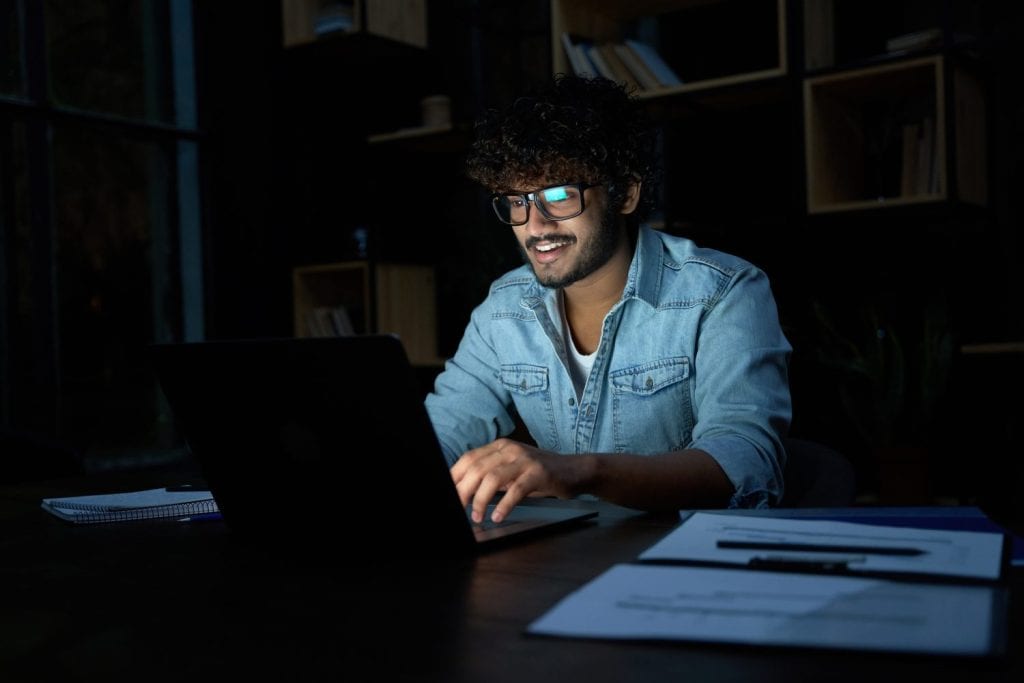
[
  {"x": 890, "y": 90},
  {"x": 825, "y": 122},
  {"x": 788, "y": 127},
  {"x": 333, "y": 48},
  {"x": 305, "y": 21},
  {"x": 384, "y": 298},
  {"x": 708, "y": 43}
]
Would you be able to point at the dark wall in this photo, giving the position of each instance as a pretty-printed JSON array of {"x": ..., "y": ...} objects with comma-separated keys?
[
  {"x": 290, "y": 177},
  {"x": 246, "y": 265}
]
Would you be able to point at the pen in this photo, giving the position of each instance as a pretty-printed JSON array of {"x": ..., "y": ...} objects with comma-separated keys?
[
  {"x": 799, "y": 564},
  {"x": 204, "y": 517},
  {"x": 820, "y": 548}
]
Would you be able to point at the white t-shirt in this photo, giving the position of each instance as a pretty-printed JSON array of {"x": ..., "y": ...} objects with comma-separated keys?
[{"x": 579, "y": 363}]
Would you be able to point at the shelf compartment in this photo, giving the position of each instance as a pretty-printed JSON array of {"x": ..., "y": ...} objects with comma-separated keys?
[
  {"x": 306, "y": 21},
  {"x": 881, "y": 136},
  {"x": 385, "y": 298},
  {"x": 704, "y": 41}
]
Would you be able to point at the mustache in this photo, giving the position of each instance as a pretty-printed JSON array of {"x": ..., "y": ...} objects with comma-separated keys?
[{"x": 556, "y": 237}]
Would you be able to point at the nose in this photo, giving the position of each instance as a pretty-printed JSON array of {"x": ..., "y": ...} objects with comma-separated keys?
[{"x": 537, "y": 223}]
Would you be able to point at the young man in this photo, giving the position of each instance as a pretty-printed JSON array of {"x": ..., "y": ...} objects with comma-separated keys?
[{"x": 649, "y": 372}]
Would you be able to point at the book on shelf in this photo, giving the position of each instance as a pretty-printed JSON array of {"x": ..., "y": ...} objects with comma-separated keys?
[
  {"x": 576, "y": 52},
  {"x": 632, "y": 62},
  {"x": 317, "y": 324},
  {"x": 588, "y": 68},
  {"x": 329, "y": 321},
  {"x": 620, "y": 71},
  {"x": 916, "y": 40},
  {"x": 925, "y": 181},
  {"x": 333, "y": 17},
  {"x": 179, "y": 502},
  {"x": 664, "y": 73},
  {"x": 640, "y": 72},
  {"x": 919, "y": 166},
  {"x": 570, "y": 52},
  {"x": 908, "y": 170},
  {"x": 341, "y": 324},
  {"x": 598, "y": 60}
]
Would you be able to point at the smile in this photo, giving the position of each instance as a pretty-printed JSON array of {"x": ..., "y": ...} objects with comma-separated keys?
[{"x": 542, "y": 244}]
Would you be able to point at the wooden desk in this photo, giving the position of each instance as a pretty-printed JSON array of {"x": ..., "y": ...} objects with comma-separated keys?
[{"x": 169, "y": 601}]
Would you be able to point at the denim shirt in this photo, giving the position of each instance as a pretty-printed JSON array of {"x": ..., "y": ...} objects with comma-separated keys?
[{"x": 691, "y": 356}]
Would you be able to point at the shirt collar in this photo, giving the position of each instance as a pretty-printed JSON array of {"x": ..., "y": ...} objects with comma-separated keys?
[{"x": 644, "y": 278}]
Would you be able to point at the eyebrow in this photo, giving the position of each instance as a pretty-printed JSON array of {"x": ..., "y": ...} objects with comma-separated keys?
[{"x": 537, "y": 189}]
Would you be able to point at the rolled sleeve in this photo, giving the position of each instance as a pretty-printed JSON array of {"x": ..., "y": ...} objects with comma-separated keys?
[{"x": 742, "y": 396}]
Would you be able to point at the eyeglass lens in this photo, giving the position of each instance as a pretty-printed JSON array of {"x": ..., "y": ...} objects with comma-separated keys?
[{"x": 555, "y": 203}]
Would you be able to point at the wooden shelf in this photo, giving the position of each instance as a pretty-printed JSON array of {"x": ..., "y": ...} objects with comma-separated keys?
[
  {"x": 848, "y": 34},
  {"x": 708, "y": 43},
  {"x": 993, "y": 348},
  {"x": 407, "y": 133},
  {"x": 385, "y": 298}
]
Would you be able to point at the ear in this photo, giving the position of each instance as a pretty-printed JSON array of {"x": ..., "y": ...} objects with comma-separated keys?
[{"x": 632, "y": 197}]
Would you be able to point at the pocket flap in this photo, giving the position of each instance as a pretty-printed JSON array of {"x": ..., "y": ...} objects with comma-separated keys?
[
  {"x": 524, "y": 379},
  {"x": 651, "y": 377}
]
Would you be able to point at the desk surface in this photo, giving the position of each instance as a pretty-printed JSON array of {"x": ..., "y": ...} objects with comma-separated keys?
[{"x": 159, "y": 601}]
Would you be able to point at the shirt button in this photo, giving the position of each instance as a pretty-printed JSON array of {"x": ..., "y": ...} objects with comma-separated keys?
[
  {"x": 523, "y": 385},
  {"x": 650, "y": 383},
  {"x": 572, "y": 402}
]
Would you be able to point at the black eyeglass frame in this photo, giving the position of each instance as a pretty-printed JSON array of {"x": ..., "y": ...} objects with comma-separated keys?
[{"x": 531, "y": 198}]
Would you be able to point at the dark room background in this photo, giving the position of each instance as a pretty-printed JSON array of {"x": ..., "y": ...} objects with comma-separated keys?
[{"x": 167, "y": 167}]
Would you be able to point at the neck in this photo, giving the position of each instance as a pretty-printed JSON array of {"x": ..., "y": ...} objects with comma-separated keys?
[
  {"x": 604, "y": 286},
  {"x": 587, "y": 301}
]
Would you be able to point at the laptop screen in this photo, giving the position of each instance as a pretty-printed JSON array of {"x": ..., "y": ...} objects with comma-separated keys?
[{"x": 329, "y": 432}]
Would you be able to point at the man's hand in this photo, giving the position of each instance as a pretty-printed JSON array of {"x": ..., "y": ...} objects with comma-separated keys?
[{"x": 515, "y": 468}]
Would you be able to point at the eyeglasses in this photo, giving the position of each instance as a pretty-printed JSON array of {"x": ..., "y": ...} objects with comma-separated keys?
[{"x": 556, "y": 203}]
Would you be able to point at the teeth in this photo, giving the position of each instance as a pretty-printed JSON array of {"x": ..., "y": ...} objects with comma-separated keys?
[{"x": 549, "y": 247}]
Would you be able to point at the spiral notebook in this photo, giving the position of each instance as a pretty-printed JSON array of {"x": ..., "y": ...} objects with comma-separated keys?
[
  {"x": 329, "y": 435},
  {"x": 131, "y": 505}
]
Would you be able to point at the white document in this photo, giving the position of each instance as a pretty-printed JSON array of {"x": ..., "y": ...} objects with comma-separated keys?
[
  {"x": 632, "y": 601},
  {"x": 768, "y": 541}
]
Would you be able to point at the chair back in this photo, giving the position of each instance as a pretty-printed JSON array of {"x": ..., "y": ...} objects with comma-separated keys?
[{"x": 816, "y": 475}]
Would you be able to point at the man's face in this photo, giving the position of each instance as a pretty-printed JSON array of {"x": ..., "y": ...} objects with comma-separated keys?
[{"x": 564, "y": 252}]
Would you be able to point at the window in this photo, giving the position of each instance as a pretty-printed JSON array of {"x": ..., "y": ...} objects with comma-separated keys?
[{"x": 100, "y": 226}]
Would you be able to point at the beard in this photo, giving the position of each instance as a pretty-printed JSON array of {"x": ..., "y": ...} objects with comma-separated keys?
[{"x": 593, "y": 255}]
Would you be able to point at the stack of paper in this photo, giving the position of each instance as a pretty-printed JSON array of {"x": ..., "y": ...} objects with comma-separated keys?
[
  {"x": 803, "y": 583},
  {"x": 828, "y": 545}
]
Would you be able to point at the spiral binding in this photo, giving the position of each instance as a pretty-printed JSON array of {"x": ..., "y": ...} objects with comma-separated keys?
[{"x": 90, "y": 514}]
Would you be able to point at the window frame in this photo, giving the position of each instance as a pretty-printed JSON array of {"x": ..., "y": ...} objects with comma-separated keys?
[{"x": 35, "y": 407}]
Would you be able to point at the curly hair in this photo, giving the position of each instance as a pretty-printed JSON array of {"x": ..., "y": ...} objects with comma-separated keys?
[{"x": 569, "y": 130}]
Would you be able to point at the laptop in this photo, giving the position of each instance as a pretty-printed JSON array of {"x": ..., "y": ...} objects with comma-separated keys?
[{"x": 327, "y": 434}]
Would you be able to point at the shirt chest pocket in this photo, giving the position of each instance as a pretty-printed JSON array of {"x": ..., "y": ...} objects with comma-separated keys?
[
  {"x": 651, "y": 406},
  {"x": 531, "y": 393},
  {"x": 524, "y": 380}
]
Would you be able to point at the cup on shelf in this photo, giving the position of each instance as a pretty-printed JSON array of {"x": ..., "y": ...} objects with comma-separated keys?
[{"x": 437, "y": 111}]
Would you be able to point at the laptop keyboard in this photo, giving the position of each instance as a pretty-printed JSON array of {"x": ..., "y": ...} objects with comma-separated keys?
[{"x": 487, "y": 524}]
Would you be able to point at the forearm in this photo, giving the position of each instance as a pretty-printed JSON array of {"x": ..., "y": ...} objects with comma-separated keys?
[{"x": 669, "y": 481}]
